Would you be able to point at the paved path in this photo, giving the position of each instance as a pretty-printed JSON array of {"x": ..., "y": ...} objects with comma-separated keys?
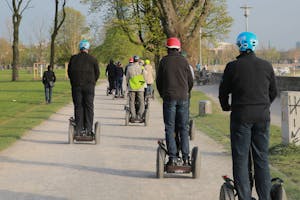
[
  {"x": 43, "y": 166},
  {"x": 213, "y": 92}
]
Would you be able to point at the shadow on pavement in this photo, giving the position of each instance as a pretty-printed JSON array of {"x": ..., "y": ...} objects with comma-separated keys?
[
  {"x": 130, "y": 138},
  {"x": 6, "y": 194},
  {"x": 110, "y": 171}
]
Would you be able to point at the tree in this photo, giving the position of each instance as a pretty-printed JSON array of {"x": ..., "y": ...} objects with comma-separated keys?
[
  {"x": 17, "y": 9},
  {"x": 6, "y": 52},
  {"x": 58, "y": 21},
  {"x": 182, "y": 19},
  {"x": 72, "y": 31},
  {"x": 116, "y": 46}
]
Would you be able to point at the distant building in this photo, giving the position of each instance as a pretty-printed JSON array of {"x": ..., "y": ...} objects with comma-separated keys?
[{"x": 298, "y": 45}]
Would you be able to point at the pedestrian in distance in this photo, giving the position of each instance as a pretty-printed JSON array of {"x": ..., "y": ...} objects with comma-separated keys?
[
  {"x": 48, "y": 80},
  {"x": 110, "y": 73},
  {"x": 251, "y": 83},
  {"x": 119, "y": 73},
  {"x": 150, "y": 77},
  {"x": 135, "y": 78},
  {"x": 174, "y": 82},
  {"x": 83, "y": 71}
]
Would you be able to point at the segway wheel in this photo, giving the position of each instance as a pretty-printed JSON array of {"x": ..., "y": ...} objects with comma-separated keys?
[
  {"x": 146, "y": 117},
  {"x": 97, "y": 133},
  {"x": 160, "y": 162},
  {"x": 192, "y": 130},
  {"x": 71, "y": 131},
  {"x": 196, "y": 162},
  {"x": 126, "y": 118},
  {"x": 226, "y": 192},
  {"x": 277, "y": 190},
  {"x": 107, "y": 92}
]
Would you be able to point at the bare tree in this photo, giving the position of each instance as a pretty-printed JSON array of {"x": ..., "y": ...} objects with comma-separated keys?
[
  {"x": 58, "y": 22},
  {"x": 17, "y": 11}
]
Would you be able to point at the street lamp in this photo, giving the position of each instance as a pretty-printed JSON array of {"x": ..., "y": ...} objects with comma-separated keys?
[
  {"x": 200, "y": 48},
  {"x": 246, "y": 14}
]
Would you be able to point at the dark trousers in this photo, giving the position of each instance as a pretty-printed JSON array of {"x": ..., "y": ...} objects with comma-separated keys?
[
  {"x": 83, "y": 99},
  {"x": 111, "y": 81},
  {"x": 176, "y": 111},
  {"x": 119, "y": 86},
  {"x": 243, "y": 137}
]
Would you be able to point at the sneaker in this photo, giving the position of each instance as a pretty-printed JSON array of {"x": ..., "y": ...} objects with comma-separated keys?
[
  {"x": 172, "y": 162},
  {"x": 186, "y": 162}
]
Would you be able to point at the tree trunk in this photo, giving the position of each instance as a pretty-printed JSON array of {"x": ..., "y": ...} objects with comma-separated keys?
[{"x": 15, "y": 47}]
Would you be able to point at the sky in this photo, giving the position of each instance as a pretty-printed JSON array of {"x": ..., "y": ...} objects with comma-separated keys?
[{"x": 275, "y": 22}]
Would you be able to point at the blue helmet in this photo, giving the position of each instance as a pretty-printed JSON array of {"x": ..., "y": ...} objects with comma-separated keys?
[
  {"x": 84, "y": 44},
  {"x": 246, "y": 40},
  {"x": 136, "y": 58}
]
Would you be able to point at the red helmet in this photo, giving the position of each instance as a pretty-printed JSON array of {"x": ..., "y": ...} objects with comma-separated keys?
[
  {"x": 131, "y": 60},
  {"x": 173, "y": 43}
]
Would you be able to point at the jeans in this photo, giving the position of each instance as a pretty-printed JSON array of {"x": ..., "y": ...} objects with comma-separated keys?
[
  {"x": 119, "y": 86},
  {"x": 149, "y": 90},
  {"x": 254, "y": 136},
  {"x": 48, "y": 94},
  {"x": 139, "y": 96},
  {"x": 176, "y": 111},
  {"x": 83, "y": 99}
]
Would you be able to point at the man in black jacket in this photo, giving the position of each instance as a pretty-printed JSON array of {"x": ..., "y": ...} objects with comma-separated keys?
[
  {"x": 83, "y": 71},
  {"x": 174, "y": 81},
  {"x": 251, "y": 83},
  {"x": 49, "y": 79},
  {"x": 110, "y": 73}
]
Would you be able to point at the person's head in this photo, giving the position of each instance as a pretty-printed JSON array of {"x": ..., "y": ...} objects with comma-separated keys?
[
  {"x": 49, "y": 68},
  {"x": 147, "y": 61},
  {"x": 246, "y": 41},
  {"x": 136, "y": 58},
  {"x": 131, "y": 60},
  {"x": 111, "y": 61},
  {"x": 119, "y": 64},
  {"x": 173, "y": 43},
  {"x": 84, "y": 45}
]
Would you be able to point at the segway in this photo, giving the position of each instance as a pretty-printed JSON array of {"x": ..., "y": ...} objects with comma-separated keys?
[
  {"x": 145, "y": 116},
  {"x": 83, "y": 137},
  {"x": 162, "y": 167},
  {"x": 228, "y": 190}
]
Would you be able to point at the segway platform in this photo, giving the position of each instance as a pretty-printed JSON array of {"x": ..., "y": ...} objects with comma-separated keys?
[
  {"x": 83, "y": 137},
  {"x": 145, "y": 117},
  {"x": 162, "y": 167}
]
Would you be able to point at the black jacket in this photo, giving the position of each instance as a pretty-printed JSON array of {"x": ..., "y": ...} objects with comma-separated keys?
[
  {"x": 174, "y": 79},
  {"x": 47, "y": 77},
  {"x": 119, "y": 72},
  {"x": 83, "y": 70},
  {"x": 110, "y": 70},
  {"x": 251, "y": 83}
]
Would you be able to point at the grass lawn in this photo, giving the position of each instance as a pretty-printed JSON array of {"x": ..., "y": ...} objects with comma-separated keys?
[
  {"x": 285, "y": 160},
  {"x": 22, "y": 103}
]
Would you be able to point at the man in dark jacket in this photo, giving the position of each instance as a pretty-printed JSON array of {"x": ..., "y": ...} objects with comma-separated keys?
[
  {"x": 110, "y": 73},
  {"x": 83, "y": 71},
  {"x": 174, "y": 81},
  {"x": 49, "y": 79},
  {"x": 251, "y": 83}
]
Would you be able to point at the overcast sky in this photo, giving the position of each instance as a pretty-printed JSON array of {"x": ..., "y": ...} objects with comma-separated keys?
[{"x": 274, "y": 21}]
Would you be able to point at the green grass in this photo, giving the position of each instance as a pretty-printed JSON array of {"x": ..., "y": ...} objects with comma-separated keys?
[
  {"x": 22, "y": 104},
  {"x": 285, "y": 160}
]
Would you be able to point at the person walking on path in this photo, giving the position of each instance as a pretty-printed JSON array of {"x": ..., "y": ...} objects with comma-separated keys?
[
  {"x": 135, "y": 78},
  {"x": 174, "y": 82},
  {"x": 119, "y": 73},
  {"x": 83, "y": 71},
  {"x": 110, "y": 73},
  {"x": 251, "y": 83},
  {"x": 150, "y": 77},
  {"x": 49, "y": 79}
]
